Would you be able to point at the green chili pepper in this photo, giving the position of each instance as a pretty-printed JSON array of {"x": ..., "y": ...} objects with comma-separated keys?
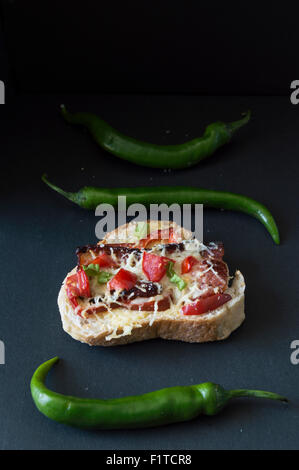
[
  {"x": 151, "y": 155},
  {"x": 165, "y": 406},
  {"x": 90, "y": 197}
]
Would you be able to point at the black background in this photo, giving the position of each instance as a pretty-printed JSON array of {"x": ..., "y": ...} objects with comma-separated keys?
[
  {"x": 58, "y": 48},
  {"x": 190, "y": 46}
]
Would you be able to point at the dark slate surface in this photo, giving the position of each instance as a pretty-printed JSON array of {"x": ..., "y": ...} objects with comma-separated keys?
[
  {"x": 40, "y": 230},
  {"x": 217, "y": 47}
]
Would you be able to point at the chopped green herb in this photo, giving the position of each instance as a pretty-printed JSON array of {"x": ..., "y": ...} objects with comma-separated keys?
[
  {"x": 94, "y": 270},
  {"x": 141, "y": 230},
  {"x": 173, "y": 277},
  {"x": 104, "y": 277}
]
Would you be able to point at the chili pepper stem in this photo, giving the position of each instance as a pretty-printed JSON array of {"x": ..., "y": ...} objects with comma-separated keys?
[
  {"x": 234, "y": 126},
  {"x": 64, "y": 112},
  {"x": 75, "y": 118},
  {"x": 71, "y": 196},
  {"x": 256, "y": 394}
]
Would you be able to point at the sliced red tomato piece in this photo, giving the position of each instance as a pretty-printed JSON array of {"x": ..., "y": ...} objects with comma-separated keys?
[
  {"x": 72, "y": 290},
  {"x": 83, "y": 283},
  {"x": 154, "y": 266},
  {"x": 72, "y": 298},
  {"x": 188, "y": 264},
  {"x": 77, "y": 285},
  {"x": 104, "y": 261},
  {"x": 72, "y": 285},
  {"x": 166, "y": 235},
  {"x": 207, "y": 304},
  {"x": 123, "y": 279}
]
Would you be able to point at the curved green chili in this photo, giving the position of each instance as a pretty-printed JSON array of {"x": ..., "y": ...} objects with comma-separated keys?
[
  {"x": 165, "y": 406},
  {"x": 90, "y": 197},
  {"x": 156, "y": 156}
]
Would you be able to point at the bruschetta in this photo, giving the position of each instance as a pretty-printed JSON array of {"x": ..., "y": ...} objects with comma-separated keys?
[{"x": 138, "y": 284}]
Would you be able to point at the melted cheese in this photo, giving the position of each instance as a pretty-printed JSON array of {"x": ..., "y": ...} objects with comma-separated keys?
[{"x": 120, "y": 322}]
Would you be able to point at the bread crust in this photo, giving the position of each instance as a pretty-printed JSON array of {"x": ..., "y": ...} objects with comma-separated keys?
[{"x": 213, "y": 326}]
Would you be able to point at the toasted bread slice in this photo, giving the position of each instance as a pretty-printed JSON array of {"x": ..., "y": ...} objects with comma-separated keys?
[{"x": 123, "y": 323}]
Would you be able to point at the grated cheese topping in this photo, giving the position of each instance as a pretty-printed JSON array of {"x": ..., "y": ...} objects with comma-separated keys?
[{"x": 120, "y": 321}]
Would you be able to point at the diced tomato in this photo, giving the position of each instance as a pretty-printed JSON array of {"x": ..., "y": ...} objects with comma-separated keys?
[
  {"x": 165, "y": 234},
  {"x": 77, "y": 285},
  {"x": 72, "y": 285},
  {"x": 83, "y": 283},
  {"x": 188, "y": 264},
  {"x": 123, "y": 279},
  {"x": 207, "y": 304},
  {"x": 172, "y": 238},
  {"x": 154, "y": 266},
  {"x": 104, "y": 261},
  {"x": 72, "y": 298}
]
